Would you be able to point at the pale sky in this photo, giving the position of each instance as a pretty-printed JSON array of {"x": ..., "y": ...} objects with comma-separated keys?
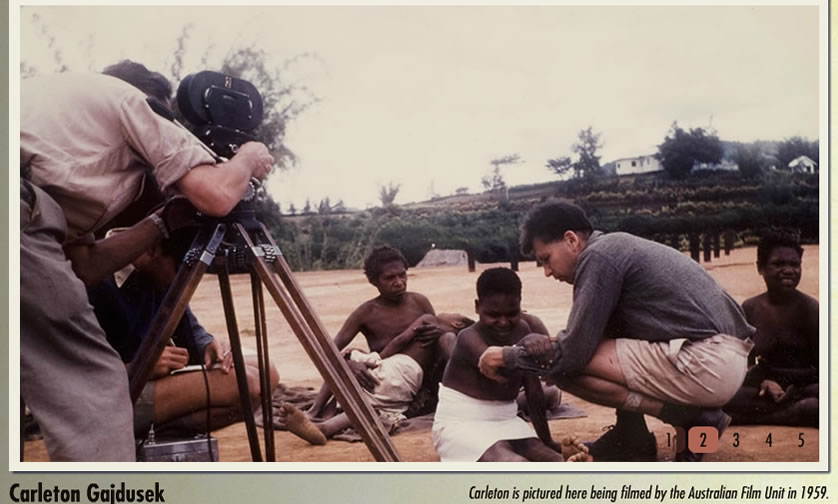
[{"x": 427, "y": 96}]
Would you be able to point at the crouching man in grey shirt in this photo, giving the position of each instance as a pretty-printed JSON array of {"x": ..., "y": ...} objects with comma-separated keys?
[{"x": 649, "y": 332}]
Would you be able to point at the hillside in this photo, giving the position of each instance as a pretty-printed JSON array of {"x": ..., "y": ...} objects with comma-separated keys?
[{"x": 682, "y": 213}]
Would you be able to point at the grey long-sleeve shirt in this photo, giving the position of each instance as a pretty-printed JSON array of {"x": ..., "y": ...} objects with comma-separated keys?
[{"x": 629, "y": 287}]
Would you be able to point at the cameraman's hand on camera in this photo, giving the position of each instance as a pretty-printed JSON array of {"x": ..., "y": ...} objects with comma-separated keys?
[
  {"x": 255, "y": 155},
  {"x": 172, "y": 358}
]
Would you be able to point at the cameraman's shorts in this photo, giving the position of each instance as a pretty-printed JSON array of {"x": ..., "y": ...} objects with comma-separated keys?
[
  {"x": 706, "y": 372},
  {"x": 144, "y": 410}
]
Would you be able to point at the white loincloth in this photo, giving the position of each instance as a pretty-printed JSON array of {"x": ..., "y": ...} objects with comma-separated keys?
[
  {"x": 465, "y": 427},
  {"x": 399, "y": 378}
]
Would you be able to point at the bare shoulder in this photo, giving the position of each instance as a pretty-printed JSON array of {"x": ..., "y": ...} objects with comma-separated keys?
[
  {"x": 752, "y": 304},
  {"x": 364, "y": 310},
  {"x": 468, "y": 338},
  {"x": 418, "y": 299},
  {"x": 757, "y": 300},
  {"x": 535, "y": 324},
  {"x": 809, "y": 303}
]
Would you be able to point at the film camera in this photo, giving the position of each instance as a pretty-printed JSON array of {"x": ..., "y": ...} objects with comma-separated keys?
[{"x": 224, "y": 110}]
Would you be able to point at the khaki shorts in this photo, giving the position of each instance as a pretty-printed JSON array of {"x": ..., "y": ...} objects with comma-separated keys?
[
  {"x": 144, "y": 410},
  {"x": 706, "y": 372}
]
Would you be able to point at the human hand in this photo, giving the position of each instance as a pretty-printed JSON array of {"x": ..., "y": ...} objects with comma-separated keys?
[
  {"x": 771, "y": 389},
  {"x": 218, "y": 353},
  {"x": 491, "y": 362},
  {"x": 172, "y": 358},
  {"x": 255, "y": 155},
  {"x": 538, "y": 347},
  {"x": 362, "y": 373},
  {"x": 427, "y": 333}
]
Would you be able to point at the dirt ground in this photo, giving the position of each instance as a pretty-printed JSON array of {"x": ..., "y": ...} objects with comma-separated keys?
[{"x": 334, "y": 294}]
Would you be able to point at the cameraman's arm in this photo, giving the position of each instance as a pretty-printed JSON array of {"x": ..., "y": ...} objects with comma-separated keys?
[
  {"x": 216, "y": 189},
  {"x": 93, "y": 261}
]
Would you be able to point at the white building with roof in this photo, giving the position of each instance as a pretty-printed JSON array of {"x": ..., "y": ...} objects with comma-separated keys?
[
  {"x": 803, "y": 164},
  {"x": 639, "y": 164}
]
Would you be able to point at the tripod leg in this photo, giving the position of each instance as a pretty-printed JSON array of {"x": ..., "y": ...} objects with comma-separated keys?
[
  {"x": 321, "y": 349},
  {"x": 264, "y": 369},
  {"x": 238, "y": 361},
  {"x": 171, "y": 310}
]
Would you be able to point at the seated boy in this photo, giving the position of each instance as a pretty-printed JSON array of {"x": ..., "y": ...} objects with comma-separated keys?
[
  {"x": 781, "y": 386},
  {"x": 389, "y": 322},
  {"x": 476, "y": 418}
]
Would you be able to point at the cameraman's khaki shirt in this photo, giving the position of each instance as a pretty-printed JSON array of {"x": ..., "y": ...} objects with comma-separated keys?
[{"x": 90, "y": 139}]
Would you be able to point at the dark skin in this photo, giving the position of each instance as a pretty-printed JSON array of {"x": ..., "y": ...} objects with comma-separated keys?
[
  {"x": 786, "y": 347},
  {"x": 395, "y": 321},
  {"x": 419, "y": 348},
  {"x": 501, "y": 324},
  {"x": 182, "y": 398}
]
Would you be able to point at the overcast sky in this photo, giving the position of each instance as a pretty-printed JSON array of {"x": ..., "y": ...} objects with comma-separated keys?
[{"x": 427, "y": 96}]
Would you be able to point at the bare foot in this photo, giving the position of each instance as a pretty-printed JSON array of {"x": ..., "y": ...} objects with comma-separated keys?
[
  {"x": 298, "y": 423},
  {"x": 574, "y": 450}
]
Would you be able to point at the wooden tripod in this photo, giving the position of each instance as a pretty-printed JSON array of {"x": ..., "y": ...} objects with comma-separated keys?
[{"x": 239, "y": 243}]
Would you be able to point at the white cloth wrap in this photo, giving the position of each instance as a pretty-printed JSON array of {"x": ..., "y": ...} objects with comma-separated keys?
[
  {"x": 465, "y": 427},
  {"x": 399, "y": 378}
]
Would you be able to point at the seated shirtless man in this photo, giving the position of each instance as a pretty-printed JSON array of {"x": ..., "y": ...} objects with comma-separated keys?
[
  {"x": 399, "y": 326},
  {"x": 781, "y": 386}
]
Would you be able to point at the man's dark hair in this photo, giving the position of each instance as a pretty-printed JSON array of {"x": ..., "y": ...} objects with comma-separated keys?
[
  {"x": 151, "y": 83},
  {"x": 380, "y": 256},
  {"x": 498, "y": 281},
  {"x": 777, "y": 238},
  {"x": 550, "y": 220}
]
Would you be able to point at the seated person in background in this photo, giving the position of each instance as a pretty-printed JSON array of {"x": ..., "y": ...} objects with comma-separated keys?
[
  {"x": 125, "y": 304},
  {"x": 781, "y": 386},
  {"x": 477, "y": 417},
  {"x": 398, "y": 375},
  {"x": 391, "y": 322}
]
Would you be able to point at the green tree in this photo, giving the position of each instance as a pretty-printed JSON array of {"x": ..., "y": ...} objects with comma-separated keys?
[
  {"x": 586, "y": 148},
  {"x": 494, "y": 181},
  {"x": 750, "y": 159},
  {"x": 681, "y": 150},
  {"x": 560, "y": 165},
  {"x": 387, "y": 195}
]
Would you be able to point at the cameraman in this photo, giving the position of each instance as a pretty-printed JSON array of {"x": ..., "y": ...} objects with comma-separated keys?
[{"x": 87, "y": 144}]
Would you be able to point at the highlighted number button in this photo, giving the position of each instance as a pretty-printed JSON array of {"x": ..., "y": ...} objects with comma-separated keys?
[{"x": 703, "y": 439}]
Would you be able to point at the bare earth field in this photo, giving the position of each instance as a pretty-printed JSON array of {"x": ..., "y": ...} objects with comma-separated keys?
[{"x": 334, "y": 294}]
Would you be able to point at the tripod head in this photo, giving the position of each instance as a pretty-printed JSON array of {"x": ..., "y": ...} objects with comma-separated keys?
[{"x": 224, "y": 112}]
